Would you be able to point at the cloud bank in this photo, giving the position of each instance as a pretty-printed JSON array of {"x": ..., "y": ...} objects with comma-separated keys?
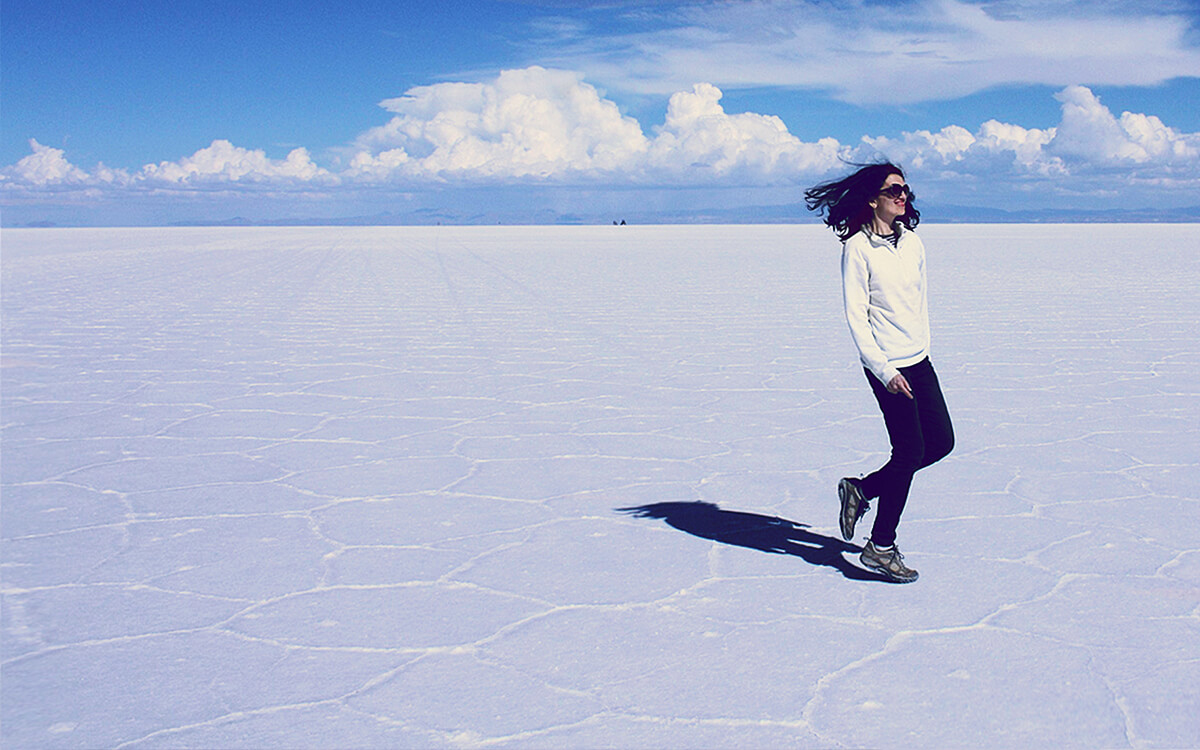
[
  {"x": 548, "y": 124},
  {"x": 1088, "y": 142},
  {"x": 551, "y": 127},
  {"x": 221, "y": 164}
]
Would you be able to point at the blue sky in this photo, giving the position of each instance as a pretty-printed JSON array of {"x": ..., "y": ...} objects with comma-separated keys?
[{"x": 151, "y": 112}]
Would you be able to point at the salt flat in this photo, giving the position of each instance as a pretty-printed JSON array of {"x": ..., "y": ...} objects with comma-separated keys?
[{"x": 574, "y": 487}]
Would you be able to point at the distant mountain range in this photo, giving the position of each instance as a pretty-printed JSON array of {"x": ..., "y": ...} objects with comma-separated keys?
[
  {"x": 782, "y": 214},
  {"x": 974, "y": 215}
]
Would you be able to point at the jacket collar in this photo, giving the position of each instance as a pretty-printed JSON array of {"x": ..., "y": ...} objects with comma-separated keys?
[{"x": 878, "y": 241}]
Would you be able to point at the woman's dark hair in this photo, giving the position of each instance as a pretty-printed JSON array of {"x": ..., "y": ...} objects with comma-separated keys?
[{"x": 845, "y": 203}]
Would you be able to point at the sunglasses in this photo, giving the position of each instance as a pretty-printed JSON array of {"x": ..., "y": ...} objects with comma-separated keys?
[{"x": 896, "y": 190}]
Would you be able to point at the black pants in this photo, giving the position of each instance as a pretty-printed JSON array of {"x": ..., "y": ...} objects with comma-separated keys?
[{"x": 921, "y": 434}]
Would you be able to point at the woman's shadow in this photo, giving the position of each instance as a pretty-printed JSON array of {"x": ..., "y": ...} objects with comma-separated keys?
[{"x": 765, "y": 533}]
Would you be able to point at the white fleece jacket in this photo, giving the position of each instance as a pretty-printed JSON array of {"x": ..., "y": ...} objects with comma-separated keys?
[{"x": 887, "y": 309}]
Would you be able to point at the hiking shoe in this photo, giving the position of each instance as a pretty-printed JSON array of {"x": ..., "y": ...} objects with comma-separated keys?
[
  {"x": 888, "y": 562},
  {"x": 854, "y": 505}
]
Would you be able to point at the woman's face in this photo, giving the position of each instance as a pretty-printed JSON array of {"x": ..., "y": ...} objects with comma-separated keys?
[{"x": 889, "y": 207}]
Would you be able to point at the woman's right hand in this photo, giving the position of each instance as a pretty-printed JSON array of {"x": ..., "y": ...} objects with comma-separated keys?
[{"x": 899, "y": 385}]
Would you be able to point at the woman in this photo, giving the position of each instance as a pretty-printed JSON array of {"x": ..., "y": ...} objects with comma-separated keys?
[{"x": 883, "y": 284}]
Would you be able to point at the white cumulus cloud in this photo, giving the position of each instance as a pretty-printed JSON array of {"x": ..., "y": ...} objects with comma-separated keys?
[
  {"x": 551, "y": 125},
  {"x": 220, "y": 165},
  {"x": 1025, "y": 144},
  {"x": 699, "y": 138},
  {"x": 1091, "y": 134},
  {"x": 44, "y": 167},
  {"x": 527, "y": 123},
  {"x": 224, "y": 162},
  {"x": 1088, "y": 140}
]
